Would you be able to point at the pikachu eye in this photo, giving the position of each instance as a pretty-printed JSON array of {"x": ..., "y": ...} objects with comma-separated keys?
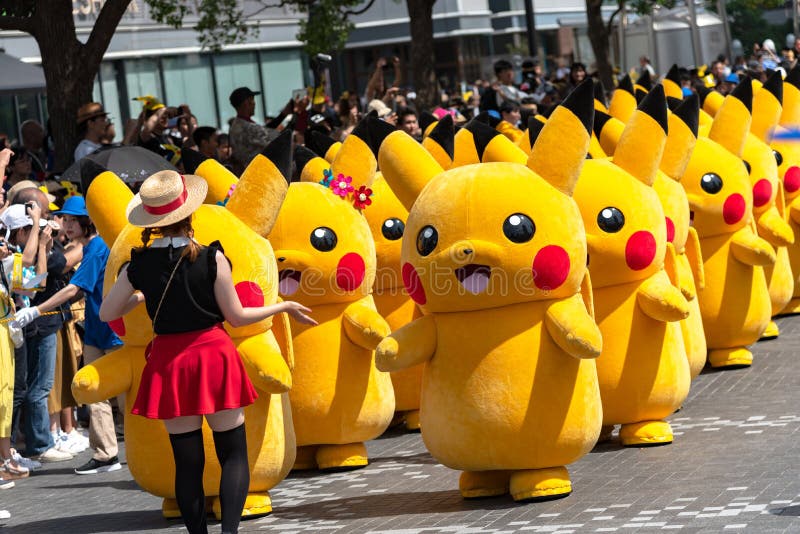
[
  {"x": 393, "y": 229},
  {"x": 519, "y": 228},
  {"x": 323, "y": 239},
  {"x": 778, "y": 157},
  {"x": 610, "y": 220},
  {"x": 427, "y": 239},
  {"x": 712, "y": 183}
]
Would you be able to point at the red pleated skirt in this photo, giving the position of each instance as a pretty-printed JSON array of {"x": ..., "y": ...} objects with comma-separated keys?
[{"x": 193, "y": 373}]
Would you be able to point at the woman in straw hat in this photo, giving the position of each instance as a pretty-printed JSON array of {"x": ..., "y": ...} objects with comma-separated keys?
[{"x": 193, "y": 369}]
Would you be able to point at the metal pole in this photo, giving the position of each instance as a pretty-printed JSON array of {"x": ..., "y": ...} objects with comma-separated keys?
[
  {"x": 726, "y": 27},
  {"x": 530, "y": 22},
  {"x": 698, "y": 54}
]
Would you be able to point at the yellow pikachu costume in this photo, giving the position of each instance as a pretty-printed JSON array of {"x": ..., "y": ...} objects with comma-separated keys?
[
  {"x": 495, "y": 256},
  {"x": 735, "y": 302},
  {"x": 264, "y": 346},
  {"x": 326, "y": 259},
  {"x": 681, "y": 138},
  {"x": 643, "y": 370},
  {"x": 787, "y": 154},
  {"x": 768, "y": 203}
]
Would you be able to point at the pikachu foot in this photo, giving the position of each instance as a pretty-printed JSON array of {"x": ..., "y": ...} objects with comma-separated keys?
[
  {"x": 169, "y": 509},
  {"x": 646, "y": 433},
  {"x": 477, "y": 484},
  {"x": 306, "y": 458},
  {"x": 342, "y": 457},
  {"x": 733, "y": 358},
  {"x": 540, "y": 484},
  {"x": 771, "y": 332},
  {"x": 412, "y": 420},
  {"x": 256, "y": 505},
  {"x": 793, "y": 308},
  {"x": 605, "y": 433}
]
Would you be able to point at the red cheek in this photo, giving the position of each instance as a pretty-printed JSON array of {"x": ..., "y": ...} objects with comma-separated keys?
[
  {"x": 762, "y": 192},
  {"x": 250, "y": 294},
  {"x": 670, "y": 230},
  {"x": 550, "y": 267},
  {"x": 350, "y": 271},
  {"x": 733, "y": 209},
  {"x": 413, "y": 284},
  {"x": 640, "y": 250},
  {"x": 118, "y": 326},
  {"x": 791, "y": 179}
]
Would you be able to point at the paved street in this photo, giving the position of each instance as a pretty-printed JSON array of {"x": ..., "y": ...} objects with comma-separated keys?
[{"x": 733, "y": 468}]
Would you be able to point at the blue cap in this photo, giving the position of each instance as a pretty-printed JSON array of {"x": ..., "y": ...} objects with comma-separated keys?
[
  {"x": 686, "y": 91},
  {"x": 732, "y": 78},
  {"x": 75, "y": 206},
  {"x": 494, "y": 114}
]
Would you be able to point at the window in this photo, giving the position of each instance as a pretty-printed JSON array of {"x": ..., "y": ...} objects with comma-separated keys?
[
  {"x": 282, "y": 72},
  {"x": 232, "y": 70},
  {"x": 142, "y": 78},
  {"x": 188, "y": 80}
]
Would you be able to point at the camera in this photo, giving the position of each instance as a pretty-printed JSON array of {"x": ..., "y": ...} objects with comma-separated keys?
[{"x": 28, "y": 206}]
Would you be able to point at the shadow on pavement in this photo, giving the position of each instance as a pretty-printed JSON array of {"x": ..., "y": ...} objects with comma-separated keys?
[
  {"x": 789, "y": 511},
  {"x": 97, "y": 523},
  {"x": 394, "y": 504}
]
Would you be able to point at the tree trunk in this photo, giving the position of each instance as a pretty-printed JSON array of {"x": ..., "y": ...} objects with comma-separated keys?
[
  {"x": 420, "y": 14},
  {"x": 599, "y": 36}
]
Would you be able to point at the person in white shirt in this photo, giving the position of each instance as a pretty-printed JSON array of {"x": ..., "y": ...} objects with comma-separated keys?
[{"x": 92, "y": 123}]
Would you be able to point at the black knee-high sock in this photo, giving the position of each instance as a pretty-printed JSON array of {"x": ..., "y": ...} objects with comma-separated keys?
[
  {"x": 190, "y": 459},
  {"x": 231, "y": 447}
]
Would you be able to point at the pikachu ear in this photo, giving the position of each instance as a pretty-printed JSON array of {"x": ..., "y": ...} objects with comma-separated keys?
[
  {"x": 427, "y": 122},
  {"x": 732, "y": 121},
  {"x": 535, "y": 125},
  {"x": 465, "y": 151},
  {"x": 790, "y": 116},
  {"x": 767, "y": 107},
  {"x": 107, "y": 198},
  {"x": 681, "y": 138},
  {"x": 492, "y": 146},
  {"x": 642, "y": 142},
  {"x": 355, "y": 158},
  {"x": 310, "y": 167},
  {"x": 323, "y": 145},
  {"x": 406, "y": 166},
  {"x": 262, "y": 188},
  {"x": 710, "y": 100},
  {"x": 672, "y": 82},
  {"x": 623, "y": 100},
  {"x": 218, "y": 177},
  {"x": 607, "y": 130},
  {"x": 561, "y": 147},
  {"x": 645, "y": 81},
  {"x": 600, "y": 101},
  {"x": 440, "y": 142}
]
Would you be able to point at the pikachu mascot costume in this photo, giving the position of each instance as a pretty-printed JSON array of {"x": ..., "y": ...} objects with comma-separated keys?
[
  {"x": 326, "y": 261},
  {"x": 787, "y": 153},
  {"x": 768, "y": 203},
  {"x": 643, "y": 370},
  {"x": 681, "y": 138},
  {"x": 509, "y": 391},
  {"x": 735, "y": 302},
  {"x": 264, "y": 347}
]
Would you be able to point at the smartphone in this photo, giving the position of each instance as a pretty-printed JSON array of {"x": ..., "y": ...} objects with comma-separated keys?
[{"x": 298, "y": 94}]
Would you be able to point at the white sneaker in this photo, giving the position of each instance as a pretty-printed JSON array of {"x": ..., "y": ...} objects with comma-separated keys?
[
  {"x": 6, "y": 484},
  {"x": 53, "y": 455},
  {"x": 73, "y": 442}
]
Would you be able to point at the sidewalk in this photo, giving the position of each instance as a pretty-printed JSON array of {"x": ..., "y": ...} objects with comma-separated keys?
[{"x": 733, "y": 468}]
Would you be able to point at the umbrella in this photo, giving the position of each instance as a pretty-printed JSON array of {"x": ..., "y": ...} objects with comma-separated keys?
[{"x": 131, "y": 163}]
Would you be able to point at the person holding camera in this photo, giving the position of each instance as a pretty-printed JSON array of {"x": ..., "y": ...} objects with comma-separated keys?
[{"x": 247, "y": 138}]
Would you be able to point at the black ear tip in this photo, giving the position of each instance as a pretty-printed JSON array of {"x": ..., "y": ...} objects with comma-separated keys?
[
  {"x": 645, "y": 80},
  {"x": 689, "y": 112},
  {"x": 673, "y": 103},
  {"x": 89, "y": 171},
  {"x": 482, "y": 135},
  {"x": 625, "y": 84},
  {"x": 702, "y": 93},
  {"x": 655, "y": 105},
  {"x": 426, "y": 118},
  {"x": 444, "y": 133},
  {"x": 319, "y": 142},
  {"x": 674, "y": 74},
  {"x": 191, "y": 159},
  {"x": 744, "y": 93},
  {"x": 794, "y": 76},
  {"x": 378, "y": 131},
  {"x": 600, "y": 120},
  {"x": 774, "y": 85},
  {"x": 534, "y": 129},
  {"x": 640, "y": 95},
  {"x": 600, "y": 93},
  {"x": 581, "y": 102},
  {"x": 279, "y": 152},
  {"x": 302, "y": 156}
]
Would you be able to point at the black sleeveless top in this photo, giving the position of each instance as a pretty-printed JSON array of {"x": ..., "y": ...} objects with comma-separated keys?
[{"x": 189, "y": 303}]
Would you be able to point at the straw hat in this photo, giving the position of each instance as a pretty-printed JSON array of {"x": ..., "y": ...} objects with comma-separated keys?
[{"x": 165, "y": 198}]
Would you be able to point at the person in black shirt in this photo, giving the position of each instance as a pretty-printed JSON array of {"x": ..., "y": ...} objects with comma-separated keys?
[{"x": 188, "y": 292}]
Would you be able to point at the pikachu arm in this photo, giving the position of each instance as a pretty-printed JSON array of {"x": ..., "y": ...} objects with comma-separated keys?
[
  {"x": 794, "y": 210},
  {"x": 661, "y": 300},
  {"x": 412, "y": 344},
  {"x": 572, "y": 328},
  {"x": 695, "y": 257},
  {"x": 282, "y": 330},
  {"x": 680, "y": 277},
  {"x": 364, "y": 326},
  {"x": 106, "y": 377},
  {"x": 750, "y": 249},
  {"x": 265, "y": 364},
  {"x": 774, "y": 229}
]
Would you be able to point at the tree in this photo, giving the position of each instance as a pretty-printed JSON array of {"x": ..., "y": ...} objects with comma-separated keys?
[
  {"x": 420, "y": 14},
  {"x": 748, "y": 25},
  {"x": 600, "y": 32}
]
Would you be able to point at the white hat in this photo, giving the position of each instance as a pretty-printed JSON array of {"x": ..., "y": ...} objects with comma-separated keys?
[
  {"x": 769, "y": 45},
  {"x": 165, "y": 198},
  {"x": 379, "y": 106},
  {"x": 16, "y": 216}
]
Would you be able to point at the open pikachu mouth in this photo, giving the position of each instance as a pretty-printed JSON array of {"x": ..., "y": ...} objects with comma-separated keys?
[
  {"x": 288, "y": 281},
  {"x": 474, "y": 277}
]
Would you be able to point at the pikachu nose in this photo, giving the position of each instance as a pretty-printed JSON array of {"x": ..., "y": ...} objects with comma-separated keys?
[{"x": 467, "y": 251}]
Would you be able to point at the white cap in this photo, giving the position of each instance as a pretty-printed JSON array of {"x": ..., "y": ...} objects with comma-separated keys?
[
  {"x": 769, "y": 44},
  {"x": 16, "y": 217}
]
